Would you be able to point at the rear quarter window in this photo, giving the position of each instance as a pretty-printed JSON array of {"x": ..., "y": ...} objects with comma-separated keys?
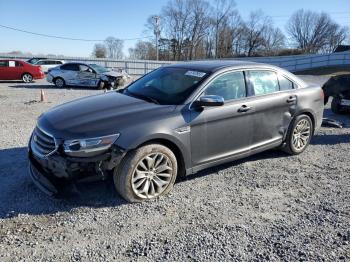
[{"x": 285, "y": 84}]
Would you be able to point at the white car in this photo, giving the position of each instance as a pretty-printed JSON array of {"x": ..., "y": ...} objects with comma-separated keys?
[
  {"x": 47, "y": 64},
  {"x": 89, "y": 75}
]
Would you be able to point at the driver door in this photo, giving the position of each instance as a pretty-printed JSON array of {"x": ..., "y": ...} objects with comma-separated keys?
[
  {"x": 221, "y": 132},
  {"x": 87, "y": 76}
]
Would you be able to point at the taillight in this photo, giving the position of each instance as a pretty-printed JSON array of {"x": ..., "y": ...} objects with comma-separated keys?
[{"x": 322, "y": 93}]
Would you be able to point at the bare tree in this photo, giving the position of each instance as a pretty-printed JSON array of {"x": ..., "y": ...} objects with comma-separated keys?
[
  {"x": 313, "y": 32},
  {"x": 176, "y": 17},
  {"x": 254, "y": 31},
  {"x": 99, "y": 51},
  {"x": 114, "y": 47},
  {"x": 199, "y": 22},
  {"x": 222, "y": 11},
  {"x": 274, "y": 40},
  {"x": 143, "y": 50}
]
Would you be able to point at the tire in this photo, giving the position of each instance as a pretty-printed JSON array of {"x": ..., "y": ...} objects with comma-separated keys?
[
  {"x": 59, "y": 82},
  {"x": 336, "y": 106},
  {"x": 299, "y": 132},
  {"x": 326, "y": 99},
  {"x": 101, "y": 85},
  {"x": 144, "y": 184},
  {"x": 27, "y": 78}
]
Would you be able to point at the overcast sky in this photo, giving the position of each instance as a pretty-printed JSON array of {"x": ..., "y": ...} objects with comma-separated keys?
[{"x": 121, "y": 19}]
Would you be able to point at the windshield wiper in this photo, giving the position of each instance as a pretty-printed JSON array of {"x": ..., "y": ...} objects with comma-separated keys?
[{"x": 143, "y": 97}]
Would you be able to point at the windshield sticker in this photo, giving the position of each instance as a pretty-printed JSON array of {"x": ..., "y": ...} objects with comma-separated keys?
[{"x": 195, "y": 73}]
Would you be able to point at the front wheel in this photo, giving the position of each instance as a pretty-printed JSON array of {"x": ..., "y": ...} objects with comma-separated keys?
[
  {"x": 146, "y": 173},
  {"x": 299, "y": 135},
  {"x": 27, "y": 78}
]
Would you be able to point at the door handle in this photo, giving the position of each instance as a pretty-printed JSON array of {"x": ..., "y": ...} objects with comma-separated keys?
[
  {"x": 244, "y": 108},
  {"x": 291, "y": 99}
]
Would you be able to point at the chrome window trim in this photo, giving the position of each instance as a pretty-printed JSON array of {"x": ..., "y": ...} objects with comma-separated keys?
[{"x": 245, "y": 69}]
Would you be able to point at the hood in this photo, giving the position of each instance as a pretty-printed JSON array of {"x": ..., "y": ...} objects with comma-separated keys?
[
  {"x": 113, "y": 73},
  {"x": 99, "y": 115}
]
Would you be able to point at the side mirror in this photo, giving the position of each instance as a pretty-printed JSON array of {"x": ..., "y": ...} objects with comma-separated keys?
[{"x": 209, "y": 100}]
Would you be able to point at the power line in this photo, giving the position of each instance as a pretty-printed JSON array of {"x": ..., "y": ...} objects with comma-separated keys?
[{"x": 67, "y": 38}]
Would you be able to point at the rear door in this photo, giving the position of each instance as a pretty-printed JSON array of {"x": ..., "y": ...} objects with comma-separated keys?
[
  {"x": 87, "y": 76},
  {"x": 273, "y": 98},
  {"x": 223, "y": 131},
  {"x": 69, "y": 72},
  {"x": 3, "y": 70},
  {"x": 13, "y": 71}
]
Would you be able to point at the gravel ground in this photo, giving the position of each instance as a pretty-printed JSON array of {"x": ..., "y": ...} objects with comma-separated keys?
[{"x": 268, "y": 207}]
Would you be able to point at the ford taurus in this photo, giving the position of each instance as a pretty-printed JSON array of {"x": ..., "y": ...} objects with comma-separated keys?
[{"x": 174, "y": 121}]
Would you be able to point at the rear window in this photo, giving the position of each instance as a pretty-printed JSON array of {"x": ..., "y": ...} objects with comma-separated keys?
[
  {"x": 264, "y": 82},
  {"x": 70, "y": 67}
]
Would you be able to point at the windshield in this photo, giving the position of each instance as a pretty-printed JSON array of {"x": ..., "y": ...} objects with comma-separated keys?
[
  {"x": 33, "y": 60},
  {"x": 167, "y": 85},
  {"x": 99, "y": 69}
]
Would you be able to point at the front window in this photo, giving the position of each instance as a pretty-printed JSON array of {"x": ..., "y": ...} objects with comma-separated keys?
[
  {"x": 85, "y": 68},
  {"x": 167, "y": 85},
  {"x": 3, "y": 63},
  {"x": 99, "y": 69},
  {"x": 229, "y": 86}
]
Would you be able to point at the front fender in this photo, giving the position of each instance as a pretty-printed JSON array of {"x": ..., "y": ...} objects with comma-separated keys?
[{"x": 181, "y": 141}]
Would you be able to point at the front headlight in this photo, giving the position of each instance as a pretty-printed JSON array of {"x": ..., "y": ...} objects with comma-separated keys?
[{"x": 89, "y": 146}]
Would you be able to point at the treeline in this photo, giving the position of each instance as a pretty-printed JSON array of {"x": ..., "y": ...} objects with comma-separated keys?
[{"x": 196, "y": 29}]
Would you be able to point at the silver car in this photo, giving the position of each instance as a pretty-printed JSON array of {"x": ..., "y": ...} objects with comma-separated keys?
[{"x": 81, "y": 74}]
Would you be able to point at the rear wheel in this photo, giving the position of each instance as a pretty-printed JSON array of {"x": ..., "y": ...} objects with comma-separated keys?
[
  {"x": 299, "y": 135},
  {"x": 146, "y": 173},
  {"x": 59, "y": 82},
  {"x": 27, "y": 78}
]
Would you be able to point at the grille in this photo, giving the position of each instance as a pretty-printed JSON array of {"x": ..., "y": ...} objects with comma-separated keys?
[{"x": 42, "y": 143}]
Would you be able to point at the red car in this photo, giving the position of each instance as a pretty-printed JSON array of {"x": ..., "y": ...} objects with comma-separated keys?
[{"x": 12, "y": 69}]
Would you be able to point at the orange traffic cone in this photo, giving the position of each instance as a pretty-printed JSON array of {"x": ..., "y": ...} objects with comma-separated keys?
[{"x": 43, "y": 96}]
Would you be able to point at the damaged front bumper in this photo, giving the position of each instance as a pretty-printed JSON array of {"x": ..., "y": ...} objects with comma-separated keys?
[{"x": 52, "y": 174}]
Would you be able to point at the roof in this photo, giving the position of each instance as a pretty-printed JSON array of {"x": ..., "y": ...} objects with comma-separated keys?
[
  {"x": 342, "y": 48},
  {"x": 213, "y": 65}
]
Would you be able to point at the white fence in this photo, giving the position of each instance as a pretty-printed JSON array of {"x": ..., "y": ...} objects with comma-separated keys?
[
  {"x": 140, "y": 67},
  {"x": 303, "y": 62},
  {"x": 132, "y": 67}
]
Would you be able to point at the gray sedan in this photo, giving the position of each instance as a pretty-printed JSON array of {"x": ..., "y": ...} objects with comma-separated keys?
[
  {"x": 81, "y": 74},
  {"x": 175, "y": 121}
]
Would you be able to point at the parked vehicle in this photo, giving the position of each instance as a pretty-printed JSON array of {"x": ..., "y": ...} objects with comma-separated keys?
[
  {"x": 33, "y": 60},
  {"x": 12, "y": 69},
  {"x": 338, "y": 87},
  {"x": 174, "y": 121},
  {"x": 80, "y": 74},
  {"x": 47, "y": 64}
]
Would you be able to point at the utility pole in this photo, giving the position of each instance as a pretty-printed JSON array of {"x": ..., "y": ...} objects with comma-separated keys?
[{"x": 157, "y": 32}]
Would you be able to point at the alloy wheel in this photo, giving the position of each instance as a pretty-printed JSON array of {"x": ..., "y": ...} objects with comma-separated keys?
[
  {"x": 59, "y": 82},
  {"x": 152, "y": 175},
  {"x": 301, "y": 134},
  {"x": 27, "y": 78}
]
